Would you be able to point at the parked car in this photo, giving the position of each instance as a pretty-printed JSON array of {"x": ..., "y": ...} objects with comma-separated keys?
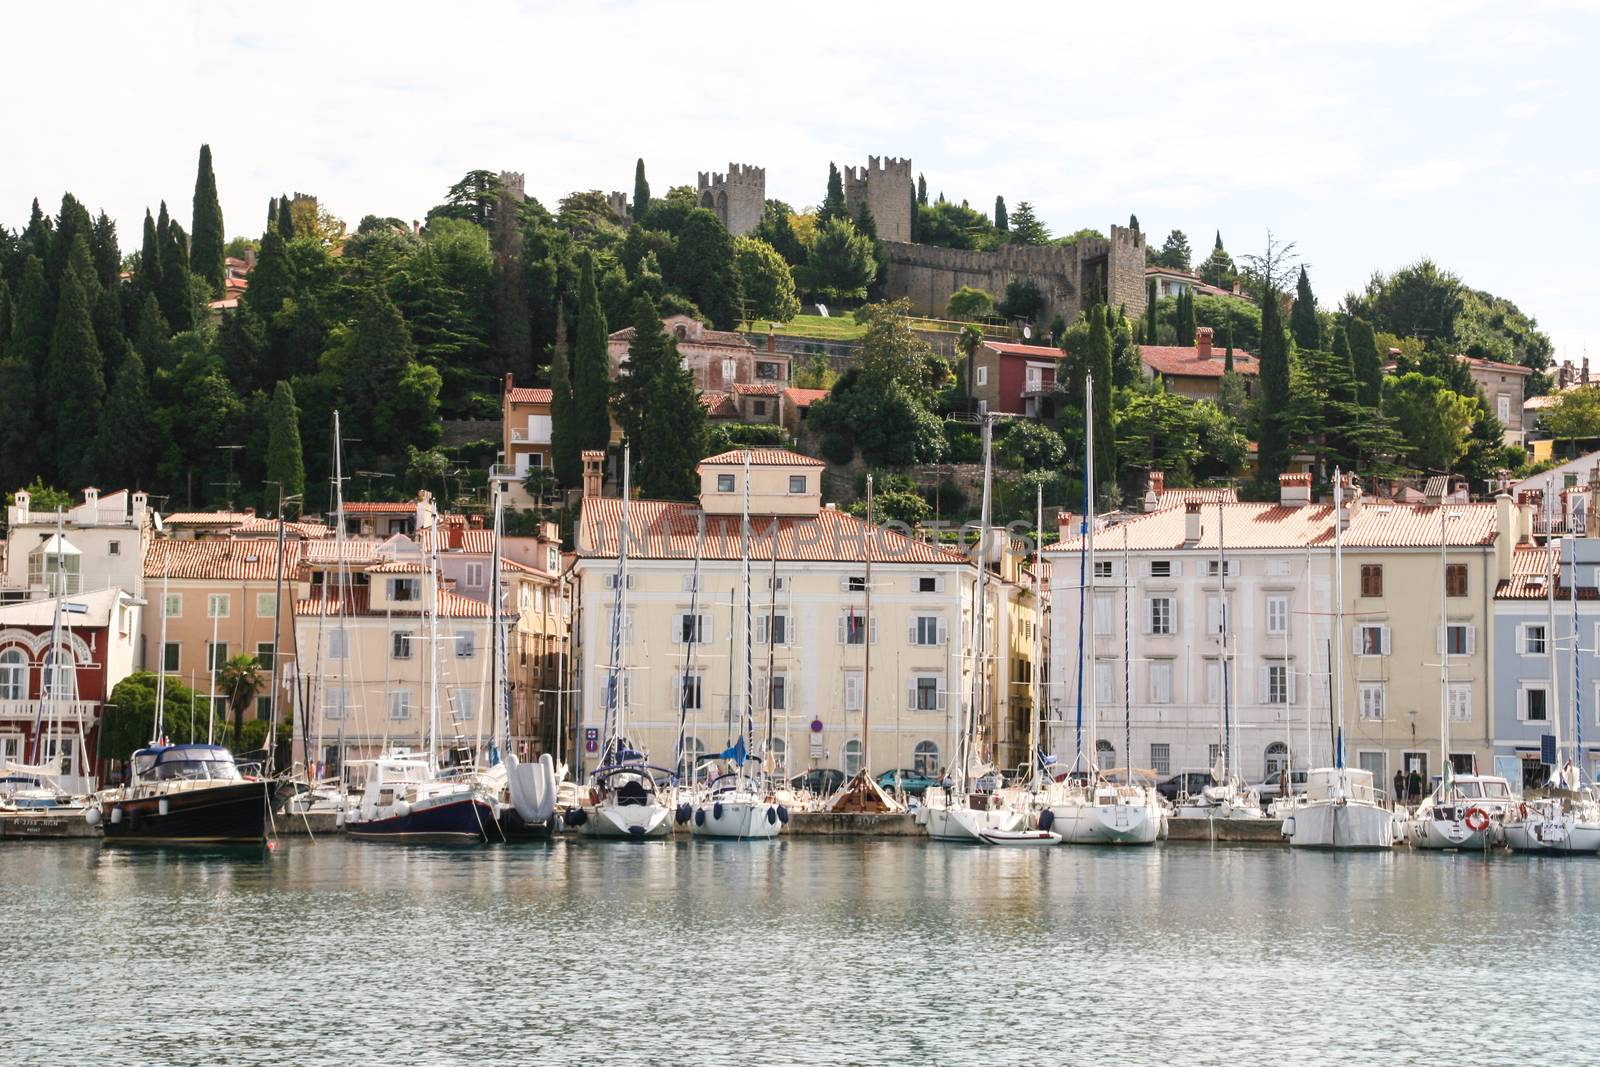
[
  {"x": 819, "y": 780},
  {"x": 1184, "y": 782},
  {"x": 913, "y": 783},
  {"x": 1271, "y": 788}
]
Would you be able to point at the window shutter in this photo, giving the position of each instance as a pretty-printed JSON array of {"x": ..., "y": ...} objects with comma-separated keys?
[
  {"x": 1438, "y": 640},
  {"x": 873, "y": 637},
  {"x": 844, "y": 583},
  {"x": 944, "y": 633},
  {"x": 1144, "y": 624},
  {"x": 677, "y": 628},
  {"x": 761, "y": 629},
  {"x": 1472, "y": 640},
  {"x": 843, "y": 622},
  {"x": 1522, "y": 705},
  {"x": 1383, "y": 633},
  {"x": 911, "y": 697},
  {"x": 1265, "y": 682},
  {"x": 1289, "y": 678},
  {"x": 1177, "y": 568},
  {"x": 1176, "y": 625},
  {"x": 707, "y": 627},
  {"x": 911, "y": 632}
]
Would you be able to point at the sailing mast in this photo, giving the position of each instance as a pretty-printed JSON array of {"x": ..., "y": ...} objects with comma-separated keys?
[
  {"x": 694, "y": 637},
  {"x": 1550, "y": 652},
  {"x": 866, "y": 642},
  {"x": 770, "y": 762},
  {"x": 1222, "y": 629},
  {"x": 1093, "y": 766},
  {"x": 614, "y": 707},
  {"x": 747, "y": 727},
  {"x": 1038, "y": 635},
  {"x": 980, "y": 613},
  {"x": 1337, "y": 664},
  {"x": 1446, "y": 770}
]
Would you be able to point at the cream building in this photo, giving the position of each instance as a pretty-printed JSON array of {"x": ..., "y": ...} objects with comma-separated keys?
[{"x": 837, "y": 680}]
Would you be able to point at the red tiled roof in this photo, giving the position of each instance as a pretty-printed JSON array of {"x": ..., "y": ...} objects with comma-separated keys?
[
  {"x": 530, "y": 396},
  {"x": 219, "y": 560},
  {"x": 762, "y": 457},
  {"x": 1489, "y": 364},
  {"x": 397, "y": 567},
  {"x": 270, "y": 526},
  {"x": 1172, "y": 498},
  {"x": 357, "y": 602},
  {"x": 662, "y": 530},
  {"x": 715, "y": 338},
  {"x": 476, "y": 540},
  {"x": 719, "y": 406},
  {"x": 357, "y": 551},
  {"x": 804, "y": 398},
  {"x": 1034, "y": 351},
  {"x": 380, "y": 507},
  {"x": 206, "y": 518},
  {"x": 757, "y": 388},
  {"x": 1181, "y": 361}
]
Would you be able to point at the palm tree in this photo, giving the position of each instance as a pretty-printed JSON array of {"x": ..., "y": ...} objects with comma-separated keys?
[
  {"x": 241, "y": 679},
  {"x": 971, "y": 337}
]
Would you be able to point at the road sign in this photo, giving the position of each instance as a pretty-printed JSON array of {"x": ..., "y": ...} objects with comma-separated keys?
[{"x": 591, "y": 739}]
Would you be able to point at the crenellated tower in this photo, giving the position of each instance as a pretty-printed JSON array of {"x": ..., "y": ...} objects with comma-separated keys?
[
  {"x": 738, "y": 198},
  {"x": 884, "y": 184}
]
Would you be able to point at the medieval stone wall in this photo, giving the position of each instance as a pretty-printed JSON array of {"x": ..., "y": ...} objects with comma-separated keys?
[
  {"x": 884, "y": 184},
  {"x": 739, "y": 197}
]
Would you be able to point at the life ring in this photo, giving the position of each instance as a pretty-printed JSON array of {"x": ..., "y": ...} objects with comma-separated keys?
[
  {"x": 1476, "y": 819},
  {"x": 1522, "y": 811}
]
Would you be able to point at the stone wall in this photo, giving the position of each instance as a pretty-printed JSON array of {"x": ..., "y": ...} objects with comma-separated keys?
[
  {"x": 739, "y": 197},
  {"x": 885, "y": 185}
]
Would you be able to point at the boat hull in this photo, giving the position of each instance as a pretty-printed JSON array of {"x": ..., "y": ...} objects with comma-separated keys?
[
  {"x": 1553, "y": 837},
  {"x": 627, "y": 821},
  {"x": 230, "y": 814},
  {"x": 746, "y": 819},
  {"x": 1106, "y": 824},
  {"x": 968, "y": 825},
  {"x": 1333, "y": 825},
  {"x": 1447, "y": 835},
  {"x": 463, "y": 821}
]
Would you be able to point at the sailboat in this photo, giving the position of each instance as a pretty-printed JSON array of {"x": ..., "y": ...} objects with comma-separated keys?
[
  {"x": 1090, "y": 808},
  {"x": 1567, "y": 818},
  {"x": 1465, "y": 810},
  {"x": 959, "y": 810},
  {"x": 1340, "y": 807},
  {"x": 1228, "y": 797},
  {"x": 624, "y": 799}
]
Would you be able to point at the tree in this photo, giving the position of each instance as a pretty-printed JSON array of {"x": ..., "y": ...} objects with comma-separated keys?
[
  {"x": 1031, "y": 446},
  {"x": 125, "y": 440},
  {"x": 1183, "y": 319},
  {"x": 631, "y": 394},
  {"x": 1023, "y": 300},
  {"x": 1303, "y": 322},
  {"x": 841, "y": 264},
  {"x": 1274, "y": 378},
  {"x": 107, "y": 256},
  {"x": 1436, "y": 419},
  {"x": 765, "y": 280},
  {"x": 969, "y": 303},
  {"x": 591, "y": 380},
  {"x": 922, "y": 190},
  {"x": 971, "y": 337},
  {"x": 1026, "y": 229},
  {"x": 1133, "y": 223},
  {"x": 129, "y": 720},
  {"x": 703, "y": 269},
  {"x": 1416, "y": 301},
  {"x": 1001, "y": 222},
  {"x": 285, "y": 462},
  {"x": 1218, "y": 268},
  {"x": 1096, "y": 359},
  {"x": 20, "y": 448},
  {"x": 777, "y": 229},
  {"x": 147, "y": 273},
  {"x": 1368, "y": 363},
  {"x": 894, "y": 505},
  {"x": 474, "y": 198},
  {"x": 75, "y": 384},
  {"x": 206, "y": 244},
  {"x": 1175, "y": 253},
  {"x": 672, "y": 438},
  {"x": 176, "y": 292},
  {"x": 1575, "y": 416},
  {"x": 566, "y": 454},
  {"x": 641, "y": 193},
  {"x": 389, "y": 400},
  {"x": 833, "y": 205},
  {"x": 1151, "y": 337},
  {"x": 511, "y": 336},
  {"x": 286, "y": 218},
  {"x": 240, "y": 679}
]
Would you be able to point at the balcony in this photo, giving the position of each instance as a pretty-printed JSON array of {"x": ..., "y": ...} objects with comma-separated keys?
[{"x": 73, "y": 711}]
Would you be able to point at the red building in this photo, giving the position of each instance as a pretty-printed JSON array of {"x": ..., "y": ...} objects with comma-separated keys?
[{"x": 1016, "y": 379}]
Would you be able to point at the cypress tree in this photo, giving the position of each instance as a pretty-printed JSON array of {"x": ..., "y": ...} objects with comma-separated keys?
[
  {"x": 1150, "y": 335},
  {"x": 511, "y": 321},
  {"x": 705, "y": 270},
  {"x": 285, "y": 218},
  {"x": 833, "y": 206},
  {"x": 176, "y": 295},
  {"x": 75, "y": 383},
  {"x": 72, "y": 224},
  {"x": 632, "y": 394},
  {"x": 31, "y": 324},
  {"x": 242, "y": 342},
  {"x": 1303, "y": 322},
  {"x": 1227, "y": 357},
  {"x": 36, "y": 238},
  {"x": 207, "y": 242},
  {"x": 1183, "y": 318},
  {"x": 641, "y": 193},
  {"x": 272, "y": 215},
  {"x": 566, "y": 454},
  {"x": 1001, "y": 222},
  {"x": 1367, "y": 362},
  {"x": 285, "y": 463},
  {"x": 673, "y": 437},
  {"x": 107, "y": 256},
  {"x": 5, "y": 316},
  {"x": 1099, "y": 364},
  {"x": 1133, "y": 223},
  {"x": 147, "y": 279},
  {"x": 1273, "y": 457},
  {"x": 272, "y": 280},
  {"x": 124, "y": 446},
  {"x": 20, "y": 447},
  {"x": 922, "y": 191},
  {"x": 591, "y": 381}
]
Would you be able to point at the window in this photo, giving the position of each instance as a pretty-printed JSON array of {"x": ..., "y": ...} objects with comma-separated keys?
[
  {"x": 1372, "y": 579},
  {"x": 171, "y": 657},
  {"x": 1161, "y": 683},
  {"x": 1533, "y": 640},
  {"x": 466, "y": 644},
  {"x": 690, "y": 628},
  {"x": 927, "y": 585},
  {"x": 1503, "y": 407},
  {"x": 266, "y": 605},
  {"x": 777, "y": 688},
  {"x": 1276, "y": 760},
  {"x": 1103, "y": 681},
  {"x": 724, "y": 483},
  {"x": 925, "y": 759},
  {"x": 463, "y": 704},
  {"x": 856, "y": 583},
  {"x": 1160, "y": 616},
  {"x": 1107, "y": 753},
  {"x": 401, "y": 589},
  {"x": 775, "y": 626},
  {"x": 1372, "y": 640},
  {"x": 264, "y": 654},
  {"x": 339, "y": 643},
  {"x": 853, "y": 629},
  {"x": 552, "y": 559},
  {"x": 1458, "y": 639},
  {"x": 927, "y": 630},
  {"x": 400, "y": 644},
  {"x": 1533, "y": 703},
  {"x": 852, "y": 757},
  {"x": 1275, "y": 684},
  {"x": 758, "y": 407},
  {"x": 1460, "y": 701},
  {"x": 13, "y": 674},
  {"x": 474, "y": 575},
  {"x": 336, "y": 703},
  {"x": 172, "y": 605},
  {"x": 797, "y": 483},
  {"x": 983, "y": 375},
  {"x": 1455, "y": 579},
  {"x": 1277, "y": 568},
  {"x": 113, "y": 548},
  {"x": 1214, "y": 567},
  {"x": 1218, "y": 614},
  {"x": 1159, "y": 568},
  {"x": 779, "y": 749},
  {"x": 1161, "y": 757},
  {"x": 264, "y": 708},
  {"x": 1104, "y": 616},
  {"x": 1277, "y": 614},
  {"x": 1375, "y": 764},
  {"x": 852, "y": 690},
  {"x": 400, "y": 704},
  {"x": 730, "y": 372},
  {"x": 926, "y": 693},
  {"x": 1373, "y": 700},
  {"x": 767, "y": 371},
  {"x": 217, "y": 606},
  {"x": 1213, "y": 682},
  {"x": 217, "y": 654}
]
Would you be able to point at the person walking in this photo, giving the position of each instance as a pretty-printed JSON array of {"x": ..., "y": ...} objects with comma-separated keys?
[
  {"x": 1400, "y": 786},
  {"x": 1415, "y": 782}
]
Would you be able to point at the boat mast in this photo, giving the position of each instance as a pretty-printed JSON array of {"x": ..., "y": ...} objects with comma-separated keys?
[
  {"x": 747, "y": 727},
  {"x": 1086, "y": 574},
  {"x": 1550, "y": 652},
  {"x": 694, "y": 638},
  {"x": 158, "y": 721},
  {"x": 866, "y": 642},
  {"x": 499, "y": 681},
  {"x": 770, "y": 762},
  {"x": 1127, "y": 665},
  {"x": 46, "y": 730},
  {"x": 614, "y": 707},
  {"x": 1222, "y": 627},
  {"x": 1038, "y": 634},
  {"x": 1577, "y": 673},
  {"x": 433, "y": 648},
  {"x": 980, "y": 614},
  {"x": 1446, "y": 770},
  {"x": 1337, "y": 667}
]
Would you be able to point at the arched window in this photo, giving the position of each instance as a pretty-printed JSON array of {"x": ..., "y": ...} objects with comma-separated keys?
[
  {"x": 1107, "y": 753},
  {"x": 1277, "y": 759},
  {"x": 925, "y": 759},
  {"x": 693, "y": 749},
  {"x": 852, "y": 757},
  {"x": 779, "y": 749},
  {"x": 13, "y": 674},
  {"x": 67, "y": 687}
]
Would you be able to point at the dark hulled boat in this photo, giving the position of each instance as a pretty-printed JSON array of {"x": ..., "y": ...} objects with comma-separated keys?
[{"x": 184, "y": 795}]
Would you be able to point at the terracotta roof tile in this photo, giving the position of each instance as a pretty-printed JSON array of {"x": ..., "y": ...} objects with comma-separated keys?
[
  {"x": 219, "y": 560},
  {"x": 719, "y": 406},
  {"x": 1489, "y": 364},
  {"x": 380, "y": 507},
  {"x": 1035, "y": 351},
  {"x": 758, "y": 388},
  {"x": 804, "y": 398},
  {"x": 1172, "y": 498},
  {"x": 1183, "y": 362},
  {"x": 206, "y": 518},
  {"x": 714, "y": 338},
  {"x": 762, "y": 457},
  {"x": 310, "y": 530},
  {"x": 530, "y": 396},
  {"x": 357, "y": 602}
]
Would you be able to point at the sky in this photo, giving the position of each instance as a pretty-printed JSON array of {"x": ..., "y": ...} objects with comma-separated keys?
[{"x": 1370, "y": 134}]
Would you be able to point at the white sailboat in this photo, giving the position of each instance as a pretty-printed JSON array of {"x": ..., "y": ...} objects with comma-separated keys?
[
  {"x": 625, "y": 798},
  {"x": 958, "y": 810},
  {"x": 1340, "y": 807}
]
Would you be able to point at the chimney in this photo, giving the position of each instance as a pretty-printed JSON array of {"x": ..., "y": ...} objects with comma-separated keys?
[
  {"x": 1202, "y": 342},
  {"x": 249, "y": 259},
  {"x": 509, "y": 382},
  {"x": 1154, "y": 486},
  {"x": 91, "y": 499},
  {"x": 1349, "y": 501},
  {"x": 19, "y": 508},
  {"x": 1584, "y": 374},
  {"x": 455, "y": 533},
  {"x": 1505, "y": 538},
  {"x": 1525, "y": 510},
  {"x": 141, "y": 504},
  {"x": 593, "y": 474},
  {"x": 772, "y": 342},
  {"x": 426, "y": 515},
  {"x": 476, "y": 521},
  {"x": 1191, "y": 524},
  {"x": 1294, "y": 490}
]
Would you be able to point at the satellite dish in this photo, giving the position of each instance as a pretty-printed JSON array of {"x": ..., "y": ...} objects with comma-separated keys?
[
  {"x": 1027, "y": 332},
  {"x": 822, "y": 309}
]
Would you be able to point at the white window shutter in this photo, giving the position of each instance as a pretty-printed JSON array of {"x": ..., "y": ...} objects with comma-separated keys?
[
  {"x": 677, "y": 628},
  {"x": 1289, "y": 678},
  {"x": 1355, "y": 641},
  {"x": 944, "y": 633},
  {"x": 1438, "y": 640},
  {"x": 911, "y": 631},
  {"x": 708, "y": 626},
  {"x": 761, "y": 629},
  {"x": 1149, "y": 607},
  {"x": 1177, "y": 626},
  {"x": 873, "y": 637},
  {"x": 1384, "y": 632},
  {"x": 1472, "y": 640},
  {"x": 843, "y": 622},
  {"x": 911, "y": 697},
  {"x": 1522, "y": 705},
  {"x": 1177, "y": 568},
  {"x": 1265, "y": 683}
]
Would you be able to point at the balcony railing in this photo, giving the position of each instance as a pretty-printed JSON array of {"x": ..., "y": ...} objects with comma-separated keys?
[{"x": 67, "y": 711}]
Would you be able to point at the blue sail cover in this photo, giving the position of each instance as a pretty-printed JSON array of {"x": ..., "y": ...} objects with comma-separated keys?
[{"x": 737, "y": 752}]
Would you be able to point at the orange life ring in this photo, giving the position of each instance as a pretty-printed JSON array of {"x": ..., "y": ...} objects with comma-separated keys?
[{"x": 1476, "y": 819}]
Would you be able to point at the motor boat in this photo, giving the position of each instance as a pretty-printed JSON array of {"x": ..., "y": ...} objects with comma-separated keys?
[
  {"x": 1223, "y": 800},
  {"x": 404, "y": 801},
  {"x": 1465, "y": 812},
  {"x": 184, "y": 794},
  {"x": 951, "y": 814}
]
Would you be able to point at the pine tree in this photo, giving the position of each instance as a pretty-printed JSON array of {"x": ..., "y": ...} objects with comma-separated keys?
[
  {"x": 75, "y": 384},
  {"x": 1218, "y": 269},
  {"x": 285, "y": 463},
  {"x": 1273, "y": 457},
  {"x": 124, "y": 446},
  {"x": 272, "y": 215},
  {"x": 1303, "y": 322},
  {"x": 390, "y": 400},
  {"x": 242, "y": 342},
  {"x": 1227, "y": 357},
  {"x": 1000, "y": 221},
  {"x": 631, "y": 395},
  {"x": 641, "y": 193},
  {"x": 1133, "y": 223},
  {"x": 566, "y": 454},
  {"x": 833, "y": 206},
  {"x": 272, "y": 280},
  {"x": 1367, "y": 362},
  {"x": 152, "y": 337},
  {"x": 511, "y": 332},
  {"x": 590, "y": 365},
  {"x": 72, "y": 224},
  {"x": 285, "y": 218},
  {"x": 1025, "y": 227},
  {"x": 207, "y": 242},
  {"x": 705, "y": 271},
  {"x": 20, "y": 447}
]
